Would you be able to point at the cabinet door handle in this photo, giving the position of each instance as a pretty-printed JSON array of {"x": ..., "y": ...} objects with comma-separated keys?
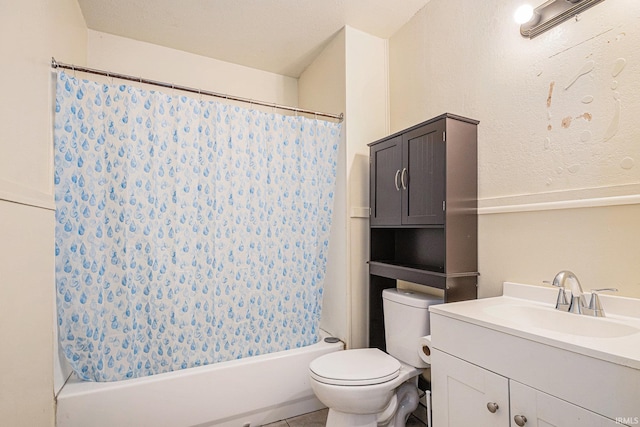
[
  {"x": 492, "y": 407},
  {"x": 395, "y": 180},
  {"x": 404, "y": 173},
  {"x": 520, "y": 420}
]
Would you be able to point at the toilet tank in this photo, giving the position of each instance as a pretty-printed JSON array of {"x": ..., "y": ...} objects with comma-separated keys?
[{"x": 406, "y": 319}]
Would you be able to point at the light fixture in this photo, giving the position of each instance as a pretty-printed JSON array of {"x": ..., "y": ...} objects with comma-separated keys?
[
  {"x": 525, "y": 14},
  {"x": 549, "y": 14}
]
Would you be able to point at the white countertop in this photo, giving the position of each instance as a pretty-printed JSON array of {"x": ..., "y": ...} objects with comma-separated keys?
[{"x": 611, "y": 339}]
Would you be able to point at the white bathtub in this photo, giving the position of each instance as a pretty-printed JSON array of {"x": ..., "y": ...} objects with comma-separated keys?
[{"x": 239, "y": 393}]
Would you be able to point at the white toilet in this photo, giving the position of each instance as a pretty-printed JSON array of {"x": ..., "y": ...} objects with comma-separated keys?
[{"x": 368, "y": 387}]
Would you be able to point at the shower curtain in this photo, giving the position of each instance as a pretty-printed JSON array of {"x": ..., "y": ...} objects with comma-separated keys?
[{"x": 188, "y": 232}]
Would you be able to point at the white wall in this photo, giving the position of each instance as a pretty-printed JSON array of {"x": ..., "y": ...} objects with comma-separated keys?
[
  {"x": 350, "y": 76},
  {"x": 322, "y": 87},
  {"x": 32, "y": 32},
  {"x": 127, "y": 56},
  {"x": 367, "y": 95},
  {"x": 558, "y": 160}
]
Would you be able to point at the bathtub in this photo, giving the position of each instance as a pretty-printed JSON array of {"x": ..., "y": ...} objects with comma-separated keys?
[{"x": 239, "y": 393}]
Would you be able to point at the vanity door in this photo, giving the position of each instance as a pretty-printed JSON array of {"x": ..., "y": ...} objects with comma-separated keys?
[
  {"x": 464, "y": 394},
  {"x": 533, "y": 408}
]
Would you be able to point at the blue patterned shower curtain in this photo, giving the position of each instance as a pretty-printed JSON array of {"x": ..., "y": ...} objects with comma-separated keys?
[{"x": 188, "y": 232}]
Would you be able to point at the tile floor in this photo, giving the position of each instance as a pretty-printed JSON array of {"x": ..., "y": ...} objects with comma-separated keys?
[{"x": 319, "y": 418}]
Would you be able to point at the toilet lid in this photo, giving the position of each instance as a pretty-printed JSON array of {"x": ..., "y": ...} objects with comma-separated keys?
[{"x": 364, "y": 366}]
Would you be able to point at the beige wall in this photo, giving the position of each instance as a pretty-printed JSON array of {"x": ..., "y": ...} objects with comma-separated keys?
[
  {"x": 367, "y": 93},
  {"x": 322, "y": 87},
  {"x": 350, "y": 76},
  {"x": 127, "y": 56},
  {"x": 32, "y": 32},
  {"x": 558, "y": 149}
]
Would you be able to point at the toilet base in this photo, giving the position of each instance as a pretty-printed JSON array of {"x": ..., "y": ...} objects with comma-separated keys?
[
  {"x": 403, "y": 403},
  {"x": 341, "y": 419}
]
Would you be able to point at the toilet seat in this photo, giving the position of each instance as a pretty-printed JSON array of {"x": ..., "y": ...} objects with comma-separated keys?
[{"x": 366, "y": 366}]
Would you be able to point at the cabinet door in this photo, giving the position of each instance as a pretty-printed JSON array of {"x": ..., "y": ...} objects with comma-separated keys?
[
  {"x": 423, "y": 175},
  {"x": 543, "y": 410},
  {"x": 386, "y": 194},
  {"x": 463, "y": 394}
]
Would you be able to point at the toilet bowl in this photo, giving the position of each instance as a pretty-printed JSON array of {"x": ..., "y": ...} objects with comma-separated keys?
[
  {"x": 359, "y": 387},
  {"x": 368, "y": 387}
]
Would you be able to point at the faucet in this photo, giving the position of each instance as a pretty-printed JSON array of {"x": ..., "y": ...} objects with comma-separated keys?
[{"x": 578, "y": 301}]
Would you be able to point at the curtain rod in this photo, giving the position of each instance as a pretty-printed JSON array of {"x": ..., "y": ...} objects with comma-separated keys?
[{"x": 56, "y": 64}]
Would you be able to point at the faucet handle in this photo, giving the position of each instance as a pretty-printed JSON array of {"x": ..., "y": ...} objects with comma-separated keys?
[{"x": 595, "y": 308}]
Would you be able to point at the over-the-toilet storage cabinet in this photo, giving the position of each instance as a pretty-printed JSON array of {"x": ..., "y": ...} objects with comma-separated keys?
[{"x": 423, "y": 219}]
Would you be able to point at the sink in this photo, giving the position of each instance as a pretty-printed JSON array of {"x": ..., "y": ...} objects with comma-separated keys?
[
  {"x": 550, "y": 319},
  {"x": 592, "y": 363}
]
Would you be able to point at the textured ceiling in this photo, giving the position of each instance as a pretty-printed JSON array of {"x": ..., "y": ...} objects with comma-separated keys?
[{"x": 281, "y": 36}]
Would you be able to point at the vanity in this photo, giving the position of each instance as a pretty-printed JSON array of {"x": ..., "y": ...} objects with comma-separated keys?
[{"x": 516, "y": 360}]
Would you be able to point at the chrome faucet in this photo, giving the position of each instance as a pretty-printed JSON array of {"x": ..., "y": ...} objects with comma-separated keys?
[{"x": 577, "y": 301}]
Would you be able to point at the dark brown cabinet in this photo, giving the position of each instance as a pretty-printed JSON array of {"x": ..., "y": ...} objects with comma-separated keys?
[
  {"x": 423, "y": 225},
  {"x": 407, "y": 177},
  {"x": 386, "y": 188}
]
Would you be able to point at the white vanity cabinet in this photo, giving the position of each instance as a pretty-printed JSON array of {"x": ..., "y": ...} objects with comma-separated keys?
[
  {"x": 461, "y": 392},
  {"x": 544, "y": 410},
  {"x": 495, "y": 359},
  {"x": 467, "y": 395}
]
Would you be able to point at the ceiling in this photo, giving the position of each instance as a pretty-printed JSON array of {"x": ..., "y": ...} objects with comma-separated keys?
[{"x": 280, "y": 36}]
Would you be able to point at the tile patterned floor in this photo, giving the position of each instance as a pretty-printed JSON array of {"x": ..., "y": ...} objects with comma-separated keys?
[{"x": 319, "y": 419}]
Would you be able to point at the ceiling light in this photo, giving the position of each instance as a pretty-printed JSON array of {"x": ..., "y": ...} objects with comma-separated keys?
[
  {"x": 550, "y": 14},
  {"x": 524, "y": 14}
]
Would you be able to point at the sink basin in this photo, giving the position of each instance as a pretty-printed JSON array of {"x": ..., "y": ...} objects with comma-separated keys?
[{"x": 550, "y": 319}]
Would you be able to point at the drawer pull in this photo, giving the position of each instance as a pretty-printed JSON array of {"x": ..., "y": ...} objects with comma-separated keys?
[{"x": 520, "y": 420}]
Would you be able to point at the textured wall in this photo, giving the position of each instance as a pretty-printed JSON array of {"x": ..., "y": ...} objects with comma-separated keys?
[
  {"x": 558, "y": 112},
  {"x": 559, "y": 131}
]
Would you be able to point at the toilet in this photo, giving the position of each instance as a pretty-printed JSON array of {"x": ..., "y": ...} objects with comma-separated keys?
[{"x": 368, "y": 387}]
